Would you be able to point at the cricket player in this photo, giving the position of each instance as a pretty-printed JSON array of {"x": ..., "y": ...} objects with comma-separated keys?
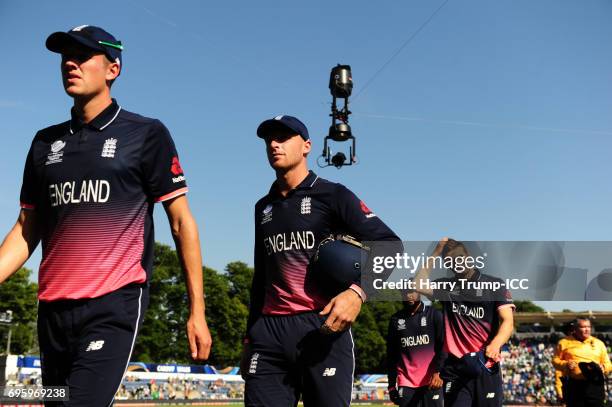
[
  {"x": 89, "y": 188},
  {"x": 477, "y": 323},
  {"x": 299, "y": 341},
  {"x": 415, "y": 355}
]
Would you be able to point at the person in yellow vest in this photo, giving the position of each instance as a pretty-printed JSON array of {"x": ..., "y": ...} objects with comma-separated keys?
[
  {"x": 585, "y": 363},
  {"x": 561, "y": 374}
]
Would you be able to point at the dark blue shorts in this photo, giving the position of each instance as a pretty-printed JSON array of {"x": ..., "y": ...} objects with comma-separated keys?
[
  {"x": 86, "y": 344},
  {"x": 485, "y": 390},
  {"x": 420, "y": 397},
  {"x": 290, "y": 358}
]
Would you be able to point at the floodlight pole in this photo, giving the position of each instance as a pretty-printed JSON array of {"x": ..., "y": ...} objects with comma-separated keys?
[
  {"x": 5, "y": 319},
  {"x": 8, "y": 342}
]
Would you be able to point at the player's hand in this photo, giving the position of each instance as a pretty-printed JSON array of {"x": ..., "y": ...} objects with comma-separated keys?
[
  {"x": 343, "y": 310},
  {"x": 436, "y": 382},
  {"x": 440, "y": 246},
  {"x": 394, "y": 396},
  {"x": 572, "y": 365},
  {"x": 492, "y": 351},
  {"x": 198, "y": 336}
]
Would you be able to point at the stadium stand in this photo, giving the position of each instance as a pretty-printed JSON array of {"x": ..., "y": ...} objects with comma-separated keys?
[{"x": 527, "y": 364}]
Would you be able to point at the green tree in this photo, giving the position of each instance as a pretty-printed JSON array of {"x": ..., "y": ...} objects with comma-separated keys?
[
  {"x": 240, "y": 276},
  {"x": 226, "y": 316},
  {"x": 163, "y": 337},
  {"x": 527, "y": 306},
  {"x": 18, "y": 294},
  {"x": 382, "y": 311},
  {"x": 370, "y": 330},
  {"x": 369, "y": 343}
]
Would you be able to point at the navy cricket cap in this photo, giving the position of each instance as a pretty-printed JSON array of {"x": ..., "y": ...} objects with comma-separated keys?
[
  {"x": 283, "y": 122},
  {"x": 88, "y": 36}
]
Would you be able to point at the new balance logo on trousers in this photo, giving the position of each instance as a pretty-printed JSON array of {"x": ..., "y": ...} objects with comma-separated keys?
[
  {"x": 94, "y": 345},
  {"x": 329, "y": 371}
]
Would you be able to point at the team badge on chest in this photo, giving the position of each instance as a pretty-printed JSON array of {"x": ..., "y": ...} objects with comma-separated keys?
[
  {"x": 305, "y": 205},
  {"x": 109, "y": 148}
]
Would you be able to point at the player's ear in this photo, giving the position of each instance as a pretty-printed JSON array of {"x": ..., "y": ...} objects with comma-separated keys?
[
  {"x": 307, "y": 146},
  {"x": 112, "y": 71}
]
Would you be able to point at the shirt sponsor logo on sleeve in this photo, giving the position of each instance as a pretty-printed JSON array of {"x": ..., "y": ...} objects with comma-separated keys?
[
  {"x": 368, "y": 213},
  {"x": 56, "y": 154},
  {"x": 177, "y": 170}
]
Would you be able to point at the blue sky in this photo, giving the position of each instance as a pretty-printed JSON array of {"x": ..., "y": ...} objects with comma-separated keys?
[{"x": 493, "y": 123}]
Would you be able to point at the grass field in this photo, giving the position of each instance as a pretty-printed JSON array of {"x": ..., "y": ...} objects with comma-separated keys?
[
  {"x": 169, "y": 403},
  {"x": 212, "y": 404},
  {"x": 242, "y": 404}
]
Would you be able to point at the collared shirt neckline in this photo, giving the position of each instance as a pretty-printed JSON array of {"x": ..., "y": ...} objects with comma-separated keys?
[
  {"x": 100, "y": 122},
  {"x": 475, "y": 277},
  {"x": 418, "y": 310},
  {"x": 307, "y": 183}
]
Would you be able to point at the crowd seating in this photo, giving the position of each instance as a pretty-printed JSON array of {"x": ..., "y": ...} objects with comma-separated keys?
[{"x": 527, "y": 372}]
